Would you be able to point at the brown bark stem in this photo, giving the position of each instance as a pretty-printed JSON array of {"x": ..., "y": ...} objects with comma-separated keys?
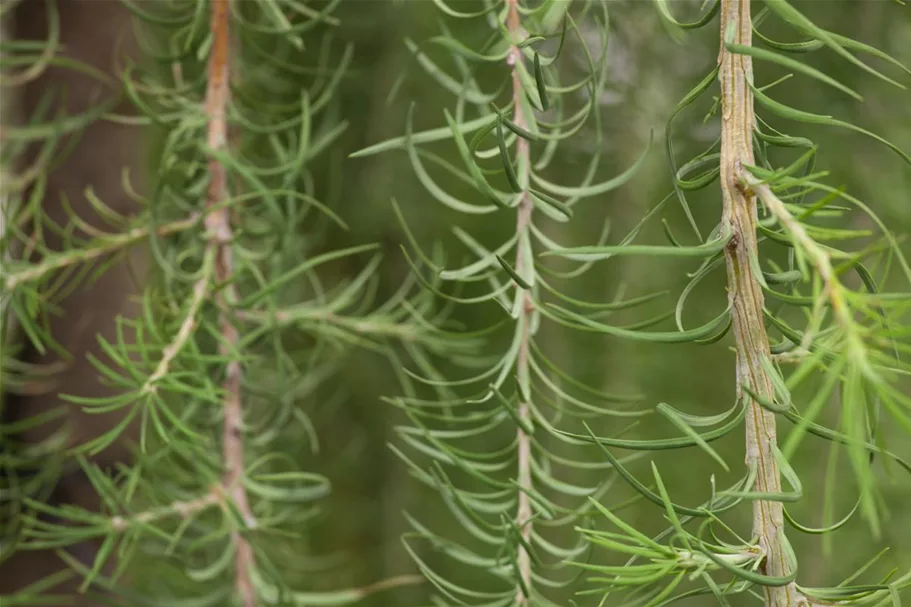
[
  {"x": 523, "y": 441},
  {"x": 746, "y": 297},
  {"x": 218, "y": 226}
]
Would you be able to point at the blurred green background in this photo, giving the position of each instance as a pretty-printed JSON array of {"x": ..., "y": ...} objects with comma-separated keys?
[
  {"x": 649, "y": 72},
  {"x": 357, "y": 539}
]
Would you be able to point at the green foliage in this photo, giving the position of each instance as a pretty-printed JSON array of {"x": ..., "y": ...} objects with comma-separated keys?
[
  {"x": 251, "y": 297},
  {"x": 524, "y": 455},
  {"x": 837, "y": 337},
  {"x": 512, "y": 482}
]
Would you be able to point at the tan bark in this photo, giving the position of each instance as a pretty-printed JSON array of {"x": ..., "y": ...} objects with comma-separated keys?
[{"x": 746, "y": 297}]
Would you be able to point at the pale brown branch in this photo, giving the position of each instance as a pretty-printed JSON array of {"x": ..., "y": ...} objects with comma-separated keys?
[
  {"x": 218, "y": 226},
  {"x": 398, "y": 581},
  {"x": 359, "y": 326},
  {"x": 746, "y": 298},
  {"x": 96, "y": 248},
  {"x": 185, "y": 332},
  {"x": 179, "y": 508},
  {"x": 523, "y": 441}
]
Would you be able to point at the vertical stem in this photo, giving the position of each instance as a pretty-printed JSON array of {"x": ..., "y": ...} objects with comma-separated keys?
[
  {"x": 523, "y": 219},
  {"x": 218, "y": 225},
  {"x": 746, "y": 298}
]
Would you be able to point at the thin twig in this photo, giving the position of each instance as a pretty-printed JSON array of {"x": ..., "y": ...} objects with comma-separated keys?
[
  {"x": 181, "y": 509},
  {"x": 359, "y": 326},
  {"x": 523, "y": 220},
  {"x": 833, "y": 290},
  {"x": 185, "y": 332},
  {"x": 746, "y": 298},
  {"x": 398, "y": 581},
  {"x": 95, "y": 249},
  {"x": 218, "y": 226}
]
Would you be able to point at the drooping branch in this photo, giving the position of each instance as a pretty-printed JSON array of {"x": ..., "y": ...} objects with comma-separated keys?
[
  {"x": 833, "y": 290},
  {"x": 746, "y": 298},
  {"x": 218, "y": 226},
  {"x": 523, "y": 220}
]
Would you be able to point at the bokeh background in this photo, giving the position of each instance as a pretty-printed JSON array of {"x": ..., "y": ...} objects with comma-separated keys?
[
  {"x": 357, "y": 540},
  {"x": 649, "y": 73}
]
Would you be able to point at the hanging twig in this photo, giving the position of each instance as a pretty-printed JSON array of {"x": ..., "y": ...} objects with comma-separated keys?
[
  {"x": 526, "y": 206},
  {"x": 218, "y": 227},
  {"x": 746, "y": 297}
]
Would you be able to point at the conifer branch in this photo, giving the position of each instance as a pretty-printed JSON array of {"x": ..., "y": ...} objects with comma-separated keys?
[
  {"x": 218, "y": 226},
  {"x": 165, "y": 355},
  {"x": 523, "y": 220},
  {"x": 96, "y": 248},
  {"x": 746, "y": 297},
  {"x": 832, "y": 287}
]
